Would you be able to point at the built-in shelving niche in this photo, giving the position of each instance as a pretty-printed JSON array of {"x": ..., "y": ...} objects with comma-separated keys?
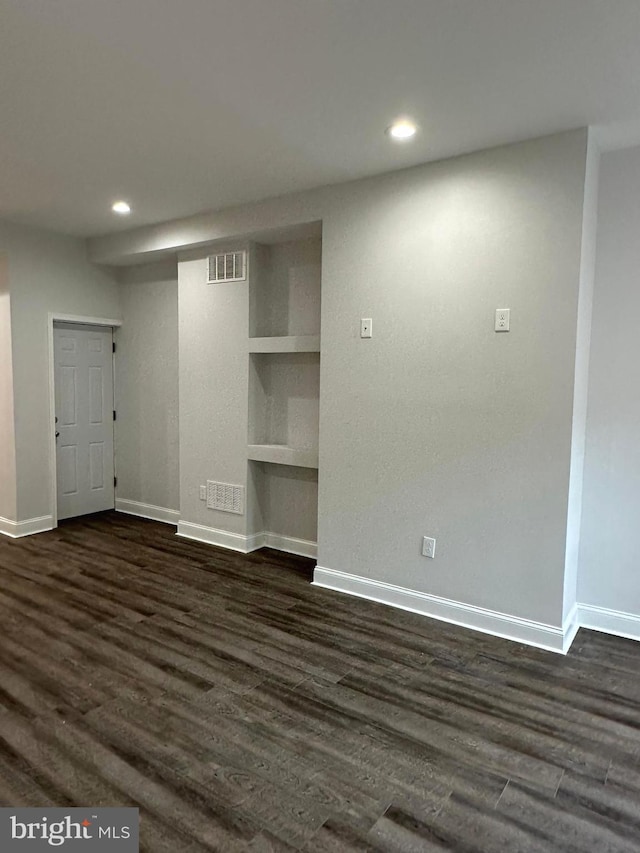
[
  {"x": 284, "y": 389},
  {"x": 284, "y": 401},
  {"x": 285, "y": 289},
  {"x": 286, "y": 505}
]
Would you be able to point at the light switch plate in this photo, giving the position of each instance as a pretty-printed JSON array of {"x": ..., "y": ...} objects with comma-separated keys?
[{"x": 366, "y": 330}]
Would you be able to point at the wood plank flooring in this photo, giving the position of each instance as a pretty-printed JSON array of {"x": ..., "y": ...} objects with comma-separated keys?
[{"x": 241, "y": 708}]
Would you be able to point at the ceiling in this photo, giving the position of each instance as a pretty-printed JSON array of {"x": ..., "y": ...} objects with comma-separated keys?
[{"x": 181, "y": 107}]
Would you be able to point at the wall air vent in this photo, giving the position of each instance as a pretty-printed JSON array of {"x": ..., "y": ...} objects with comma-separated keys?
[
  {"x": 230, "y": 266},
  {"x": 225, "y": 497}
]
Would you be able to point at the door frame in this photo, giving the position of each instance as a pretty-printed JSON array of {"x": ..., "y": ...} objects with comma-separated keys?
[{"x": 55, "y": 317}]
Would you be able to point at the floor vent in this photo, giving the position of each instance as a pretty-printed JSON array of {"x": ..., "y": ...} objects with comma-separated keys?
[
  {"x": 230, "y": 266},
  {"x": 225, "y": 497}
]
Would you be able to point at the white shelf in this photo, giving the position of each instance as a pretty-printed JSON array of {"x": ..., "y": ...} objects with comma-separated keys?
[
  {"x": 283, "y": 361},
  {"x": 282, "y": 454},
  {"x": 288, "y": 343}
]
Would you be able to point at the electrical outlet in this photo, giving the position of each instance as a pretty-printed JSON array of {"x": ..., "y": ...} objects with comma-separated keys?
[
  {"x": 502, "y": 319},
  {"x": 203, "y": 493},
  {"x": 366, "y": 329},
  {"x": 428, "y": 547}
]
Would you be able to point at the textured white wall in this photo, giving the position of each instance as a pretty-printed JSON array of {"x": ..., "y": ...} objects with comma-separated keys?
[
  {"x": 609, "y": 551},
  {"x": 47, "y": 273},
  {"x": 7, "y": 435},
  {"x": 439, "y": 426},
  {"x": 214, "y": 371},
  {"x": 147, "y": 432}
]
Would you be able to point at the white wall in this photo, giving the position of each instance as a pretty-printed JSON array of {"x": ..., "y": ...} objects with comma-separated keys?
[
  {"x": 214, "y": 379},
  {"x": 147, "y": 434},
  {"x": 47, "y": 273},
  {"x": 437, "y": 425},
  {"x": 609, "y": 550},
  {"x": 7, "y": 435}
]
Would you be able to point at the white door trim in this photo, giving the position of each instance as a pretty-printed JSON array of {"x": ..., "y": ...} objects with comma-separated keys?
[{"x": 54, "y": 317}]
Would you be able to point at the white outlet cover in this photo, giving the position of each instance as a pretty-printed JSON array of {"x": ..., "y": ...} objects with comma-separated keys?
[
  {"x": 502, "y": 319},
  {"x": 428, "y": 547}
]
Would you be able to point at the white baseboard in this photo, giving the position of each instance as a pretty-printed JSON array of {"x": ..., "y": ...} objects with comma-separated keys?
[
  {"x": 17, "y": 529},
  {"x": 212, "y": 536},
  {"x": 609, "y": 621},
  {"x": 252, "y": 543},
  {"x": 570, "y": 628},
  {"x": 538, "y": 634},
  {"x": 155, "y": 513},
  {"x": 246, "y": 544},
  {"x": 301, "y": 547},
  {"x": 491, "y": 622}
]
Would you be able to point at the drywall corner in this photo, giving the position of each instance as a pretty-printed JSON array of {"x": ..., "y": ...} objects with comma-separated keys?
[
  {"x": 581, "y": 381},
  {"x": 8, "y": 493},
  {"x": 608, "y": 589}
]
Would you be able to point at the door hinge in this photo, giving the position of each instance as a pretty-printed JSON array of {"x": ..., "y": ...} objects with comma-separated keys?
[
  {"x": 113, "y": 346},
  {"x": 114, "y": 414},
  {"x": 115, "y": 482}
]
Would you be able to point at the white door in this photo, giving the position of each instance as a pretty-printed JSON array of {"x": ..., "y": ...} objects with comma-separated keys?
[{"x": 84, "y": 418}]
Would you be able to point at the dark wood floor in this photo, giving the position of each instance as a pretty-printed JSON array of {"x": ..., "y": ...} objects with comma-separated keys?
[{"x": 241, "y": 708}]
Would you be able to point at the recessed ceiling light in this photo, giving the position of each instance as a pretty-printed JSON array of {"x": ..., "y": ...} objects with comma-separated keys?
[
  {"x": 402, "y": 129},
  {"x": 121, "y": 207}
]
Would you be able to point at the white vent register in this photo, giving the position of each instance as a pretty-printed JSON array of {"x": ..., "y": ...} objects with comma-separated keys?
[
  {"x": 230, "y": 266},
  {"x": 225, "y": 497}
]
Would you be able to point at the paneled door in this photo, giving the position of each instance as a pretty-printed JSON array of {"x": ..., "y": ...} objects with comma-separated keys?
[{"x": 84, "y": 418}]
